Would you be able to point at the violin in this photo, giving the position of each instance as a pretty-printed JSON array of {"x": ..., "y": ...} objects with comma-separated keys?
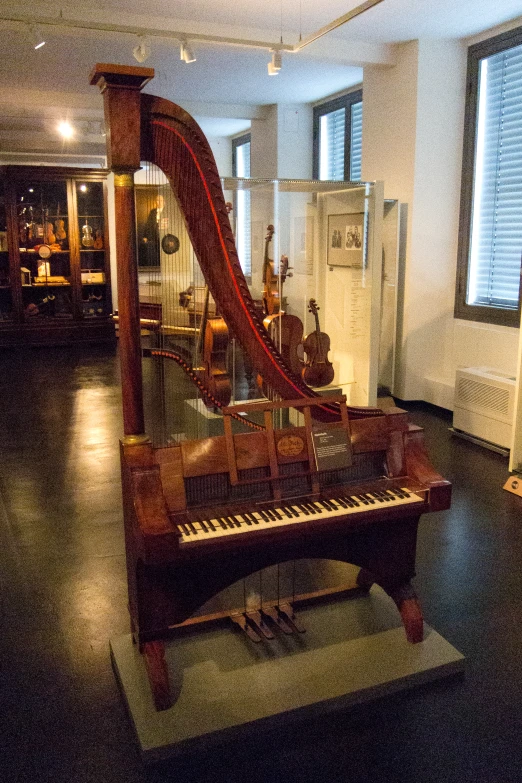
[
  {"x": 98, "y": 242},
  {"x": 59, "y": 227},
  {"x": 87, "y": 237},
  {"x": 318, "y": 369},
  {"x": 59, "y": 233},
  {"x": 49, "y": 235}
]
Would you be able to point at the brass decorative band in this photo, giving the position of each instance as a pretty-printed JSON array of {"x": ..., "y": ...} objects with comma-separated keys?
[{"x": 123, "y": 180}]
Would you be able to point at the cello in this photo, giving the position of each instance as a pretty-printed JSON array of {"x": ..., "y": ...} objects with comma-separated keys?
[
  {"x": 212, "y": 347},
  {"x": 318, "y": 369}
]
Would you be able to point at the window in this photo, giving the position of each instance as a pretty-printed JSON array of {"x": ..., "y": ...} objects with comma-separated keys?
[
  {"x": 490, "y": 246},
  {"x": 338, "y": 138},
  {"x": 241, "y": 168}
]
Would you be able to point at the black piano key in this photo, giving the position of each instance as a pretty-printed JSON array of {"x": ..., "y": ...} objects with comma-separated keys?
[
  {"x": 393, "y": 494},
  {"x": 233, "y": 521},
  {"x": 302, "y": 508},
  {"x": 342, "y": 503},
  {"x": 207, "y": 525},
  {"x": 186, "y": 529},
  {"x": 287, "y": 512},
  {"x": 360, "y": 499},
  {"x": 244, "y": 518},
  {"x": 276, "y": 513},
  {"x": 192, "y": 528},
  {"x": 327, "y": 505},
  {"x": 224, "y": 523},
  {"x": 310, "y": 508},
  {"x": 263, "y": 513},
  {"x": 252, "y": 517},
  {"x": 368, "y": 497}
]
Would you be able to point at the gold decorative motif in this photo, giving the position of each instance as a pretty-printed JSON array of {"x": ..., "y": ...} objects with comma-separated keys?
[
  {"x": 290, "y": 445},
  {"x": 123, "y": 180},
  {"x": 135, "y": 440}
]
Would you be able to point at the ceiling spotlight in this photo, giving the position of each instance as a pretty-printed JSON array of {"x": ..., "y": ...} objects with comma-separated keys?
[
  {"x": 141, "y": 51},
  {"x": 186, "y": 53},
  {"x": 66, "y": 130},
  {"x": 36, "y": 37},
  {"x": 274, "y": 66}
]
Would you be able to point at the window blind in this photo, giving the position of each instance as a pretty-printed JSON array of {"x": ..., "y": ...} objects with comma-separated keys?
[
  {"x": 243, "y": 238},
  {"x": 496, "y": 228},
  {"x": 331, "y": 145},
  {"x": 356, "y": 141}
]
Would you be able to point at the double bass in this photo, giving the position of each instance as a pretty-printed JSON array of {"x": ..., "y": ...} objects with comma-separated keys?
[{"x": 318, "y": 369}]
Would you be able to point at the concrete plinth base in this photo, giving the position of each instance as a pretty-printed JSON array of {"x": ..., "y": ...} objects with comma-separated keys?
[{"x": 224, "y": 685}]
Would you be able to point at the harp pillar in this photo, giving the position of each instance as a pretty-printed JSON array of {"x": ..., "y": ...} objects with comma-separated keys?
[{"x": 120, "y": 86}]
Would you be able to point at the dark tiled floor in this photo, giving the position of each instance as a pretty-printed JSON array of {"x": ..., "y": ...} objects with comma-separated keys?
[{"x": 63, "y": 595}]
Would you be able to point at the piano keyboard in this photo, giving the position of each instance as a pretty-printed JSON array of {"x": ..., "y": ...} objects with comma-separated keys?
[{"x": 295, "y": 510}]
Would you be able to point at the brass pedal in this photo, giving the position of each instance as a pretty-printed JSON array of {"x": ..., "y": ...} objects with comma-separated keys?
[
  {"x": 242, "y": 622},
  {"x": 278, "y": 619},
  {"x": 256, "y": 618},
  {"x": 286, "y": 612}
]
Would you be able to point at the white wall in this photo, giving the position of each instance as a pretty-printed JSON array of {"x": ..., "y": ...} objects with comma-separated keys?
[
  {"x": 412, "y": 138},
  {"x": 222, "y": 150},
  {"x": 281, "y": 144}
]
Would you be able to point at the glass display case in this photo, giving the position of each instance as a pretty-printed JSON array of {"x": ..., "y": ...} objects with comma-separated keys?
[
  {"x": 311, "y": 255},
  {"x": 58, "y": 281}
]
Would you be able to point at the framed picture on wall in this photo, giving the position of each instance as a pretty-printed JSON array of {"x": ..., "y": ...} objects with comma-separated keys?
[
  {"x": 151, "y": 224},
  {"x": 346, "y": 240}
]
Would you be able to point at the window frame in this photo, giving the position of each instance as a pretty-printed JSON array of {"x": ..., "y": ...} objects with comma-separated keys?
[
  {"x": 343, "y": 101},
  {"x": 471, "y": 312}
]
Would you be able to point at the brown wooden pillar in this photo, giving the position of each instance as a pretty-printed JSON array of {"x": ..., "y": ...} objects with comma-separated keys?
[{"x": 121, "y": 86}]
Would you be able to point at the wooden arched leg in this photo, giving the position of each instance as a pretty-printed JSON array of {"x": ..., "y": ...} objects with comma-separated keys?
[
  {"x": 157, "y": 671},
  {"x": 411, "y": 613},
  {"x": 365, "y": 579}
]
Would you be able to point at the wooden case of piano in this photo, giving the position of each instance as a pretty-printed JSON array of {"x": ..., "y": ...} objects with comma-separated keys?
[{"x": 203, "y": 514}]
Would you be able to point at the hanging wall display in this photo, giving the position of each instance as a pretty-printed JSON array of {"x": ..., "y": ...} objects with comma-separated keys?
[{"x": 346, "y": 240}]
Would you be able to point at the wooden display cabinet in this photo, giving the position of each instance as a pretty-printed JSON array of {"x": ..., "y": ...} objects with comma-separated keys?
[{"x": 54, "y": 256}]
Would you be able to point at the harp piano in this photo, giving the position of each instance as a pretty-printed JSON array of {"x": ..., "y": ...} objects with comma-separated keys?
[{"x": 203, "y": 514}]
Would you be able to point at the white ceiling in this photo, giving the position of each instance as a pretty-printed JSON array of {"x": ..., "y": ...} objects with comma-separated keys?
[{"x": 226, "y": 84}]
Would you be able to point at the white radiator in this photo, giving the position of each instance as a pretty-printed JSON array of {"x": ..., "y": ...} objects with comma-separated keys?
[{"x": 484, "y": 404}]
